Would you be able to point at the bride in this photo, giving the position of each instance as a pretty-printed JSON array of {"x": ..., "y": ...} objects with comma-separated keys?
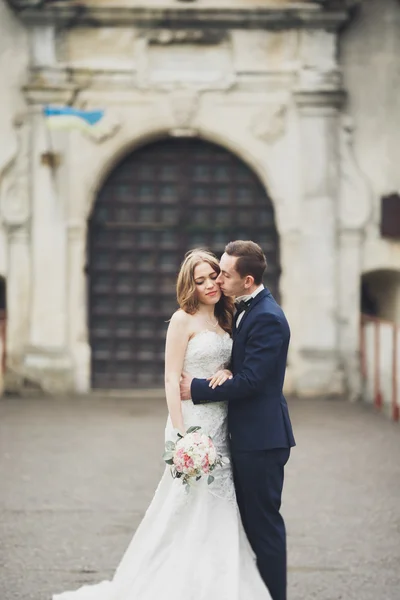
[{"x": 190, "y": 546}]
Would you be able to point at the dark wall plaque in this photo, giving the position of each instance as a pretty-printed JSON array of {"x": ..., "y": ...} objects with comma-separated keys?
[{"x": 390, "y": 216}]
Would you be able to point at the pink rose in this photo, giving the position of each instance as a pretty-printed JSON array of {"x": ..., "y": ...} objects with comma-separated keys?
[{"x": 189, "y": 463}]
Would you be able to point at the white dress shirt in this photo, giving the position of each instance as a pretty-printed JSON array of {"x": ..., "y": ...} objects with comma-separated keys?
[{"x": 245, "y": 298}]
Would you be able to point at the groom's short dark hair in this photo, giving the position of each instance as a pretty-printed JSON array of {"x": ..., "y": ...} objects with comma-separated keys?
[{"x": 250, "y": 259}]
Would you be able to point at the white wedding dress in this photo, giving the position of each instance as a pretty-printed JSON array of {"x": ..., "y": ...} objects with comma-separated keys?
[{"x": 189, "y": 546}]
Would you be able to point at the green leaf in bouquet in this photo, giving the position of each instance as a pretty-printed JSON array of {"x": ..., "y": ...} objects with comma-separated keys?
[
  {"x": 169, "y": 445},
  {"x": 168, "y": 456},
  {"x": 170, "y": 461},
  {"x": 198, "y": 477},
  {"x": 210, "y": 479},
  {"x": 193, "y": 428}
]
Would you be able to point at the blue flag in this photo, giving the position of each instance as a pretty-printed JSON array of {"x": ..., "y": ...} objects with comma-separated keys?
[{"x": 66, "y": 117}]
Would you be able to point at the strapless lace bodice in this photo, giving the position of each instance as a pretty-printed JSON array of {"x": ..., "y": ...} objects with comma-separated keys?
[{"x": 207, "y": 352}]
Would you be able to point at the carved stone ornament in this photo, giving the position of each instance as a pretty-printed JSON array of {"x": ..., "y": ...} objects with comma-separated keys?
[
  {"x": 184, "y": 104},
  {"x": 109, "y": 125},
  {"x": 332, "y": 14},
  {"x": 269, "y": 124},
  {"x": 14, "y": 185},
  {"x": 355, "y": 193}
]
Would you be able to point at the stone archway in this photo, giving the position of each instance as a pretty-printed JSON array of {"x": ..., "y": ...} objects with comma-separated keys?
[
  {"x": 161, "y": 200},
  {"x": 380, "y": 294}
]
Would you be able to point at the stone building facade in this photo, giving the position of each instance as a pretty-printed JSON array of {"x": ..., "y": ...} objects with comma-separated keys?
[{"x": 267, "y": 120}]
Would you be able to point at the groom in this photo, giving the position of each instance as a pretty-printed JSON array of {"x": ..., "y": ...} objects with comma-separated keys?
[{"x": 260, "y": 431}]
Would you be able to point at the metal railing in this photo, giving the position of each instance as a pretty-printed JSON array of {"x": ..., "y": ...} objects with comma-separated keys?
[{"x": 380, "y": 363}]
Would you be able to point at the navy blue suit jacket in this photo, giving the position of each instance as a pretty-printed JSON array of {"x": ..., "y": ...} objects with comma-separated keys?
[{"x": 258, "y": 416}]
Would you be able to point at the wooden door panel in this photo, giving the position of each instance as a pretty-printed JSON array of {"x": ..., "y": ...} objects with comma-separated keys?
[{"x": 162, "y": 200}]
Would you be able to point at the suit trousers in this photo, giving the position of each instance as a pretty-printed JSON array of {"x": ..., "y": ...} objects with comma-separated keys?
[{"x": 259, "y": 479}]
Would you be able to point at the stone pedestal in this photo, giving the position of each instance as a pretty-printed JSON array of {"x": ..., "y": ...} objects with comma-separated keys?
[
  {"x": 77, "y": 300},
  {"x": 18, "y": 294},
  {"x": 350, "y": 259}
]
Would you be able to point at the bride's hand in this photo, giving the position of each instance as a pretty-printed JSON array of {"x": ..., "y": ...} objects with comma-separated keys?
[{"x": 219, "y": 378}]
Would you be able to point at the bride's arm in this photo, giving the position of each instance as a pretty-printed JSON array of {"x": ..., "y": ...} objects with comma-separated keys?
[{"x": 175, "y": 350}]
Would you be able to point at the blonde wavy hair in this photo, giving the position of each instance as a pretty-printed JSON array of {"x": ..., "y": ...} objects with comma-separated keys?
[{"x": 186, "y": 291}]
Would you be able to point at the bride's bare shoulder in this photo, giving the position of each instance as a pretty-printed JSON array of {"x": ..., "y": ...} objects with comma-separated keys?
[{"x": 181, "y": 318}]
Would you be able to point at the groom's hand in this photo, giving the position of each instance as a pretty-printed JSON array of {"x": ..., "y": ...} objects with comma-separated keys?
[{"x": 185, "y": 383}]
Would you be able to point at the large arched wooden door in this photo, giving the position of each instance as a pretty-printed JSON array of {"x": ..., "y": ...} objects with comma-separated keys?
[{"x": 162, "y": 200}]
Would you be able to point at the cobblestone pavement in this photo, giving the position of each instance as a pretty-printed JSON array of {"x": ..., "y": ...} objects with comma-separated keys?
[{"x": 77, "y": 475}]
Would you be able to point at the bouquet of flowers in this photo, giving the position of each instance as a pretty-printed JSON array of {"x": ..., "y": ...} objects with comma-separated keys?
[{"x": 192, "y": 456}]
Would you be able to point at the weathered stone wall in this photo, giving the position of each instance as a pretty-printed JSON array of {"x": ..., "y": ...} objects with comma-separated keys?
[
  {"x": 14, "y": 186},
  {"x": 13, "y": 66},
  {"x": 272, "y": 96},
  {"x": 370, "y": 51}
]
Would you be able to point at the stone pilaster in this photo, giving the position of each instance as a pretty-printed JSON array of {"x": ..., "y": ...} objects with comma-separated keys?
[
  {"x": 77, "y": 302},
  {"x": 290, "y": 248},
  {"x": 319, "y": 367},
  {"x": 15, "y": 212},
  {"x": 18, "y": 294},
  {"x": 355, "y": 207},
  {"x": 349, "y": 280},
  {"x": 47, "y": 359}
]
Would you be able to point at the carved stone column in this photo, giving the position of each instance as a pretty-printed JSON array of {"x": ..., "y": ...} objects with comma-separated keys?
[
  {"x": 47, "y": 359},
  {"x": 319, "y": 369},
  {"x": 355, "y": 208},
  {"x": 15, "y": 213}
]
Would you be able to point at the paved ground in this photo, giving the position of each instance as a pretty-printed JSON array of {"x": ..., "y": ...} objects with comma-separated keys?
[{"x": 77, "y": 474}]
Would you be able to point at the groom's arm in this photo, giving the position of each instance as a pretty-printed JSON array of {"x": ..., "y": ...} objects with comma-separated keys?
[{"x": 262, "y": 349}]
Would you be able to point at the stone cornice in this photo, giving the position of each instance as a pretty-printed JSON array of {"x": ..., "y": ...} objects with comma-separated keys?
[
  {"x": 297, "y": 15},
  {"x": 310, "y": 101},
  {"x": 39, "y": 94}
]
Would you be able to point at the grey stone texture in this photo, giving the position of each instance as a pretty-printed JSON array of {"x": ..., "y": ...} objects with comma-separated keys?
[{"x": 78, "y": 473}]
